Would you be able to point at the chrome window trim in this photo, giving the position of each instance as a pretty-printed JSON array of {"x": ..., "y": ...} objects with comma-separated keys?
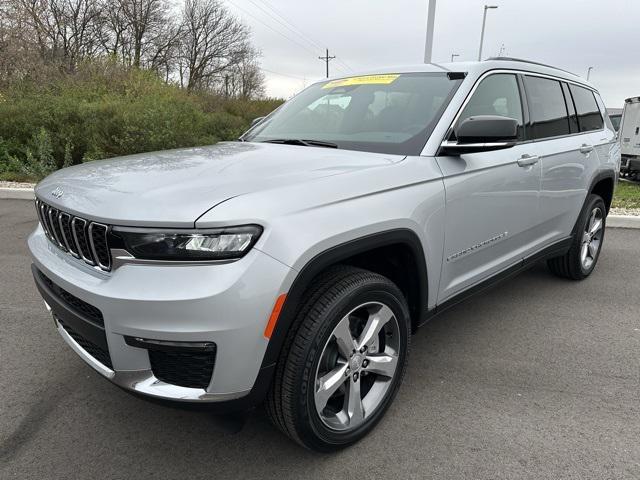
[{"x": 444, "y": 142}]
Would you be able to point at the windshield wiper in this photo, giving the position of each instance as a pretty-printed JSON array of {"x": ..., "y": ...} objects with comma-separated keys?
[{"x": 304, "y": 143}]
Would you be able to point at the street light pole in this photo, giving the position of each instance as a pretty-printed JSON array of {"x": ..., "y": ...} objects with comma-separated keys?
[
  {"x": 589, "y": 73},
  {"x": 428, "y": 44},
  {"x": 484, "y": 22},
  {"x": 454, "y": 55}
]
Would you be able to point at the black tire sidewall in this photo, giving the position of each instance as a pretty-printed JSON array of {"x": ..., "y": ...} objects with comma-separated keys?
[
  {"x": 311, "y": 428},
  {"x": 594, "y": 201}
]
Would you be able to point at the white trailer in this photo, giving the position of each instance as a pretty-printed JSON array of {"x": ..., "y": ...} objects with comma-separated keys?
[{"x": 630, "y": 138}]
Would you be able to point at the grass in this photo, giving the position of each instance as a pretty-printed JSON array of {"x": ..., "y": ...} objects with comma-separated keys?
[{"x": 627, "y": 195}]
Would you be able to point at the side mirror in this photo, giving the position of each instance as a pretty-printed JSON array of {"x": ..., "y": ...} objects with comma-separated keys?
[
  {"x": 483, "y": 133},
  {"x": 256, "y": 121}
]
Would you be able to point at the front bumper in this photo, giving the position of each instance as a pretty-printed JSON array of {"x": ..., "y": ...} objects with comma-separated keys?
[
  {"x": 227, "y": 305},
  {"x": 629, "y": 163}
]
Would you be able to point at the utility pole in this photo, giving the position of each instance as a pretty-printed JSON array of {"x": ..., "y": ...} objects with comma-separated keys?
[
  {"x": 428, "y": 44},
  {"x": 326, "y": 59},
  {"x": 589, "y": 73},
  {"x": 484, "y": 22},
  {"x": 454, "y": 55}
]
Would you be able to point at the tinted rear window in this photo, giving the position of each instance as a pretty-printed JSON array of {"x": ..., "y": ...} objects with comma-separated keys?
[
  {"x": 589, "y": 117},
  {"x": 548, "y": 111}
]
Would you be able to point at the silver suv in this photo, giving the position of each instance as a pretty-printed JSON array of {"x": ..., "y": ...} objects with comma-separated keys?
[{"x": 291, "y": 267}]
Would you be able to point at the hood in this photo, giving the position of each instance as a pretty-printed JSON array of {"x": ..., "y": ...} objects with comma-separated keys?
[{"x": 175, "y": 187}]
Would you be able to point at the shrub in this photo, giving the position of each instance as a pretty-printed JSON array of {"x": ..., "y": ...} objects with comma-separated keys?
[{"x": 104, "y": 110}]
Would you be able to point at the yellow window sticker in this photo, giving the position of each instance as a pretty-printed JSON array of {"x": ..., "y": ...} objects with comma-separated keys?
[{"x": 365, "y": 80}]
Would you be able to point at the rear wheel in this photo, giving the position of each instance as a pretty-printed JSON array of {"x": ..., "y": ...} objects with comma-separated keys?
[
  {"x": 581, "y": 259},
  {"x": 344, "y": 360}
]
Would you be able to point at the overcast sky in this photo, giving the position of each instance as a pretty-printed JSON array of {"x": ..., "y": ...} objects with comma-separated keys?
[{"x": 365, "y": 34}]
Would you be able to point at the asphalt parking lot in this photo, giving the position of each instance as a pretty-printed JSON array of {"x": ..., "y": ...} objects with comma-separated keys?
[{"x": 538, "y": 378}]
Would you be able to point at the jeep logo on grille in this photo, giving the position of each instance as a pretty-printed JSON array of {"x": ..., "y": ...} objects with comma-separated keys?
[{"x": 58, "y": 192}]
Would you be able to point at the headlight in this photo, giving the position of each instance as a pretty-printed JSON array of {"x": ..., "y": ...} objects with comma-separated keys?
[{"x": 210, "y": 244}]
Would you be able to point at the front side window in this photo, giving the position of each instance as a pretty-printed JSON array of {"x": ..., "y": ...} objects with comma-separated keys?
[
  {"x": 499, "y": 95},
  {"x": 589, "y": 117},
  {"x": 390, "y": 113},
  {"x": 547, "y": 109}
]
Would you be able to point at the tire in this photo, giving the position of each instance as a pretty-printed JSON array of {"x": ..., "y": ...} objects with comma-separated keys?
[
  {"x": 343, "y": 303},
  {"x": 574, "y": 264}
]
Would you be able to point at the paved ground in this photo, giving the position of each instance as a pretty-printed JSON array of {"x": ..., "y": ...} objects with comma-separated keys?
[{"x": 539, "y": 379}]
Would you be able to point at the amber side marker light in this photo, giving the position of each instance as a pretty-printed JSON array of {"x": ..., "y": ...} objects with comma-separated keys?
[{"x": 273, "y": 319}]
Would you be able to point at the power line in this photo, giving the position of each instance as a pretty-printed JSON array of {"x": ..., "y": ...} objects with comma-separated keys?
[
  {"x": 344, "y": 67},
  {"x": 293, "y": 27},
  {"x": 283, "y": 74},
  {"x": 269, "y": 26},
  {"x": 282, "y": 20},
  {"x": 286, "y": 25}
]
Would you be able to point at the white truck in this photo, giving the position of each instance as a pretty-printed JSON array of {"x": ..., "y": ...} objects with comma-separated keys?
[{"x": 630, "y": 138}]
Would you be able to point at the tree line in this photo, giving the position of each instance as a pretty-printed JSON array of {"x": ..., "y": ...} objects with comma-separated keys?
[{"x": 198, "y": 44}]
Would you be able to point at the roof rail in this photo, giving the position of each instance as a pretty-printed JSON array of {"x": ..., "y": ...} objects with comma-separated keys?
[{"x": 512, "y": 59}]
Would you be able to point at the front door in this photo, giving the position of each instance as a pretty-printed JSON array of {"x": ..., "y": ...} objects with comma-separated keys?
[{"x": 492, "y": 204}]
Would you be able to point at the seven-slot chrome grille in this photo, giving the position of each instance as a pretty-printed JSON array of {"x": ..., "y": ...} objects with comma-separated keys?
[{"x": 77, "y": 236}]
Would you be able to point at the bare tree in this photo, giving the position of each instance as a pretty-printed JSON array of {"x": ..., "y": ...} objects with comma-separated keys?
[
  {"x": 146, "y": 21},
  {"x": 205, "y": 46},
  {"x": 245, "y": 80},
  {"x": 212, "y": 42}
]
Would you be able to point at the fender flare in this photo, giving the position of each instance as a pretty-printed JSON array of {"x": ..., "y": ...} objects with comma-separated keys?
[
  {"x": 315, "y": 266},
  {"x": 332, "y": 256}
]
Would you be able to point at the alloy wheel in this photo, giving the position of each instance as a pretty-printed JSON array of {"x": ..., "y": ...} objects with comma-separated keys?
[
  {"x": 592, "y": 239},
  {"x": 357, "y": 366}
]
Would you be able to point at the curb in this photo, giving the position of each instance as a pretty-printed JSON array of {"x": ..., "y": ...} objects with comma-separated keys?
[
  {"x": 613, "y": 221},
  {"x": 17, "y": 193},
  {"x": 623, "y": 221}
]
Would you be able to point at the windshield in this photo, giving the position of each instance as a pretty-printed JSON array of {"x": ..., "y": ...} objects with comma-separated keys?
[
  {"x": 615, "y": 120},
  {"x": 375, "y": 113}
]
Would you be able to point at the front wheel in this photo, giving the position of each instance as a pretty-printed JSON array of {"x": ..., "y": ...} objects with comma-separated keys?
[
  {"x": 581, "y": 259},
  {"x": 344, "y": 362}
]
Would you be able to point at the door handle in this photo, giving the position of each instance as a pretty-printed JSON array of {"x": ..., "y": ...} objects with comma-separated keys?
[
  {"x": 586, "y": 148},
  {"x": 528, "y": 160}
]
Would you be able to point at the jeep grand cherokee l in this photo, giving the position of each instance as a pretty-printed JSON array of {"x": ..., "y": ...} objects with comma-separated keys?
[{"x": 291, "y": 267}]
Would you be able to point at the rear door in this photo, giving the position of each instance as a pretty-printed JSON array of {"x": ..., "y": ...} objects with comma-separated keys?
[
  {"x": 555, "y": 134},
  {"x": 567, "y": 129},
  {"x": 491, "y": 196}
]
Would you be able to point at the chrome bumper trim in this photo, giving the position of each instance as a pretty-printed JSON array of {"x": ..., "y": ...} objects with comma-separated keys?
[{"x": 143, "y": 381}]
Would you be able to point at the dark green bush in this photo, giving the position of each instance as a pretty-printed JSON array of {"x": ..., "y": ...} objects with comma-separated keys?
[{"x": 103, "y": 110}]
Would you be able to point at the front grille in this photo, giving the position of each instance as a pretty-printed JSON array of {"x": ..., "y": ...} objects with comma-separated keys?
[
  {"x": 97, "y": 352},
  {"x": 185, "y": 369},
  {"x": 76, "y": 236},
  {"x": 74, "y": 303}
]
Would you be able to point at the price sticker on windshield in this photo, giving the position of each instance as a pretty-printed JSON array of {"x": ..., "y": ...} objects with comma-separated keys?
[{"x": 365, "y": 80}]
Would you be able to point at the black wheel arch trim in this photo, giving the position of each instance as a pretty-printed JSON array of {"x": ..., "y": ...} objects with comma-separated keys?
[
  {"x": 331, "y": 256},
  {"x": 598, "y": 177}
]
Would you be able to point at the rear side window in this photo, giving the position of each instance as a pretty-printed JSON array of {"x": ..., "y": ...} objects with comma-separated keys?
[
  {"x": 589, "y": 116},
  {"x": 573, "y": 117},
  {"x": 548, "y": 112},
  {"x": 497, "y": 94}
]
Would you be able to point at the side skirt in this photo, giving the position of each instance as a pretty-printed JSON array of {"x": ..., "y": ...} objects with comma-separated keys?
[{"x": 555, "y": 250}]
